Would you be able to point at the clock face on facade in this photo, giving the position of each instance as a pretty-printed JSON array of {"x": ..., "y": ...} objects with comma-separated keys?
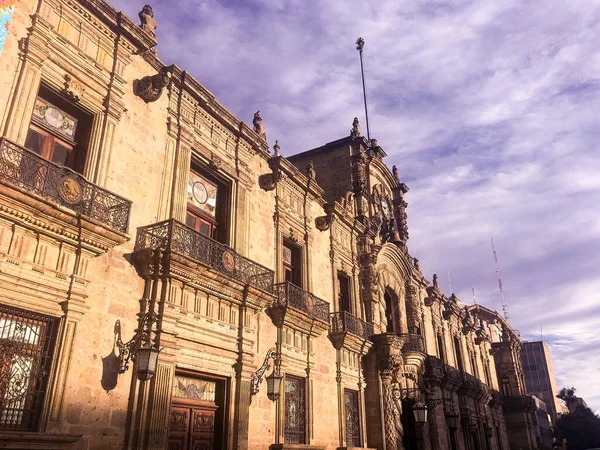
[
  {"x": 385, "y": 208},
  {"x": 199, "y": 192}
]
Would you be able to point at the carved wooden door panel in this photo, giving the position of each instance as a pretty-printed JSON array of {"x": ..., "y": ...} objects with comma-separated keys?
[
  {"x": 179, "y": 428},
  {"x": 192, "y": 428},
  {"x": 203, "y": 428}
]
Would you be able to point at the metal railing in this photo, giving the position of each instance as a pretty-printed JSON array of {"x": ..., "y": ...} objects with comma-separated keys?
[
  {"x": 301, "y": 300},
  {"x": 345, "y": 322},
  {"x": 413, "y": 343},
  {"x": 30, "y": 172},
  {"x": 174, "y": 236}
]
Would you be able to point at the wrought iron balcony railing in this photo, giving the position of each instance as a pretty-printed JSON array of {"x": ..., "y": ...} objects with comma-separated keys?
[
  {"x": 177, "y": 237},
  {"x": 413, "y": 343},
  {"x": 30, "y": 172},
  {"x": 301, "y": 300},
  {"x": 345, "y": 322}
]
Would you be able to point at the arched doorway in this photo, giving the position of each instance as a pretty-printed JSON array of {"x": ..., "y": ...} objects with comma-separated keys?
[{"x": 409, "y": 425}]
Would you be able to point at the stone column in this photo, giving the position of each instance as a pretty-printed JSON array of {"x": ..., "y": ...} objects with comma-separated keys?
[
  {"x": 389, "y": 359},
  {"x": 434, "y": 399}
]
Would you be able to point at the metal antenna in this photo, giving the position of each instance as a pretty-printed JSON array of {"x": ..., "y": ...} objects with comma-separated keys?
[
  {"x": 450, "y": 282},
  {"x": 474, "y": 300},
  {"x": 360, "y": 43},
  {"x": 498, "y": 273}
]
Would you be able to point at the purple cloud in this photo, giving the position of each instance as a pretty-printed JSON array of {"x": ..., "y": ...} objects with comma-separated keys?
[{"x": 489, "y": 110}]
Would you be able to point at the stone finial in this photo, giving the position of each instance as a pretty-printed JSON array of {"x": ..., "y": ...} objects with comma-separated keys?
[
  {"x": 395, "y": 173},
  {"x": 310, "y": 171},
  {"x": 259, "y": 126},
  {"x": 435, "y": 281},
  {"x": 355, "y": 131},
  {"x": 147, "y": 20},
  {"x": 276, "y": 148},
  {"x": 416, "y": 264},
  {"x": 374, "y": 143}
]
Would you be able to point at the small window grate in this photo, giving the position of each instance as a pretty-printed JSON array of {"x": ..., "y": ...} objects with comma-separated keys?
[{"x": 27, "y": 341}]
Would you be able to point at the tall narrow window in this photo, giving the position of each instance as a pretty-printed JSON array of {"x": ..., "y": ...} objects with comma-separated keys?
[
  {"x": 207, "y": 199},
  {"x": 292, "y": 263},
  {"x": 391, "y": 312},
  {"x": 344, "y": 301},
  {"x": 505, "y": 386},
  {"x": 441, "y": 349},
  {"x": 458, "y": 353},
  {"x": 474, "y": 365},
  {"x": 488, "y": 379},
  {"x": 26, "y": 347},
  {"x": 294, "y": 431},
  {"x": 352, "y": 417},
  {"x": 59, "y": 131}
]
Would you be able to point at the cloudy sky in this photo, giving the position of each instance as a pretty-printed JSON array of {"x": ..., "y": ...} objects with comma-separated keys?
[{"x": 489, "y": 110}]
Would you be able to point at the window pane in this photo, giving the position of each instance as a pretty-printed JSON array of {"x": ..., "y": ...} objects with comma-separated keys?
[
  {"x": 59, "y": 156},
  {"x": 35, "y": 141},
  {"x": 202, "y": 194}
]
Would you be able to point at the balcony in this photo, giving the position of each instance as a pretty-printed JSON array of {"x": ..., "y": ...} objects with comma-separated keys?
[
  {"x": 41, "y": 195},
  {"x": 299, "y": 309},
  {"x": 413, "y": 343},
  {"x": 348, "y": 330},
  {"x": 181, "y": 240},
  {"x": 29, "y": 172}
]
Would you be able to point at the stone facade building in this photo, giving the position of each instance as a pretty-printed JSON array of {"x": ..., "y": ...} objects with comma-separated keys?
[{"x": 132, "y": 204}]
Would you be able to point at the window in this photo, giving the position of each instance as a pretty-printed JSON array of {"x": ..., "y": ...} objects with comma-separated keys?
[
  {"x": 26, "y": 346},
  {"x": 344, "y": 302},
  {"x": 458, "y": 353},
  {"x": 474, "y": 365},
  {"x": 292, "y": 263},
  {"x": 207, "y": 199},
  {"x": 391, "y": 313},
  {"x": 59, "y": 131},
  {"x": 294, "y": 431},
  {"x": 488, "y": 379},
  {"x": 352, "y": 418},
  {"x": 441, "y": 350},
  {"x": 505, "y": 386}
]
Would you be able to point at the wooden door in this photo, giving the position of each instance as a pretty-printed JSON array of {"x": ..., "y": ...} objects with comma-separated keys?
[{"x": 192, "y": 428}]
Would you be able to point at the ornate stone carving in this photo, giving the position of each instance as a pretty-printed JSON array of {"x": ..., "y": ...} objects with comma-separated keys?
[
  {"x": 355, "y": 131},
  {"x": 259, "y": 126},
  {"x": 276, "y": 148},
  {"x": 395, "y": 173},
  {"x": 416, "y": 264},
  {"x": 72, "y": 89},
  {"x": 150, "y": 88},
  {"x": 147, "y": 20}
]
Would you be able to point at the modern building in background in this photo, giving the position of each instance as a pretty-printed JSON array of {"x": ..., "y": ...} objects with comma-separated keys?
[
  {"x": 539, "y": 376},
  {"x": 168, "y": 282}
]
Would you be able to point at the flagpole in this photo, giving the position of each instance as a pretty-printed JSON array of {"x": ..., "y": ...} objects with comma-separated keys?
[{"x": 360, "y": 43}]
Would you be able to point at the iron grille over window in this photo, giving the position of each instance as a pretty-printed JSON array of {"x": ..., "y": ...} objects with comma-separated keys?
[
  {"x": 26, "y": 346},
  {"x": 295, "y": 411},
  {"x": 351, "y": 412}
]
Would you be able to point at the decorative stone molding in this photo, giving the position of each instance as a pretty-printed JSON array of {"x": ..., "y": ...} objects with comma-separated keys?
[{"x": 150, "y": 88}]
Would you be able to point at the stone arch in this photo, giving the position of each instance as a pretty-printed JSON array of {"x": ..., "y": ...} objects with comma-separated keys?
[{"x": 394, "y": 270}]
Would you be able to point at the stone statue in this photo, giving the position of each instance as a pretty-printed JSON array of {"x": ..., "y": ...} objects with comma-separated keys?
[
  {"x": 259, "y": 127},
  {"x": 395, "y": 173},
  {"x": 147, "y": 18},
  {"x": 355, "y": 131},
  {"x": 435, "y": 281},
  {"x": 276, "y": 148},
  {"x": 416, "y": 264},
  {"x": 310, "y": 171}
]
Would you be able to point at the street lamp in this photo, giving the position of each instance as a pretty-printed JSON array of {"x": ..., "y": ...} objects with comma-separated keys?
[
  {"x": 138, "y": 349},
  {"x": 274, "y": 385},
  {"x": 273, "y": 380},
  {"x": 420, "y": 412},
  {"x": 452, "y": 420}
]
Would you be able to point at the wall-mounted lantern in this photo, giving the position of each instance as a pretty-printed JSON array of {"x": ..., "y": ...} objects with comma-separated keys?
[
  {"x": 420, "y": 412},
  {"x": 273, "y": 380},
  {"x": 139, "y": 349}
]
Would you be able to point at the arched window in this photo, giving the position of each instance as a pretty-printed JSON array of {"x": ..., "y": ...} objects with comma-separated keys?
[{"x": 391, "y": 312}]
